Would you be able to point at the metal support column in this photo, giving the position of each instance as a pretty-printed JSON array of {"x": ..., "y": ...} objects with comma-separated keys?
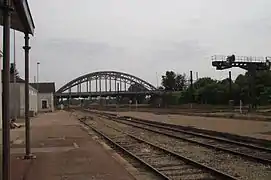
[
  {"x": 105, "y": 83},
  {"x": 125, "y": 83},
  {"x": 120, "y": 85},
  {"x": 118, "y": 97},
  {"x": 26, "y": 47},
  {"x": 230, "y": 86},
  {"x": 231, "y": 101},
  {"x": 96, "y": 83},
  {"x": 87, "y": 84},
  {"x": 115, "y": 84},
  {"x": 100, "y": 84},
  {"x": 80, "y": 87},
  {"x": 110, "y": 83},
  {"x": 6, "y": 94}
]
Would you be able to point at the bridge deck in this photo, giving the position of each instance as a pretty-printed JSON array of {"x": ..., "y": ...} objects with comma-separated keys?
[{"x": 104, "y": 94}]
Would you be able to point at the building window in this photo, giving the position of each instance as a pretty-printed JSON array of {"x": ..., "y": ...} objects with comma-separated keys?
[{"x": 44, "y": 104}]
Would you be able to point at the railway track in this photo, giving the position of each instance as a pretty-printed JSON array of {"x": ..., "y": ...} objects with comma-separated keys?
[
  {"x": 245, "y": 150},
  {"x": 163, "y": 162},
  {"x": 252, "y": 152},
  {"x": 234, "y": 164},
  {"x": 237, "y": 164},
  {"x": 223, "y": 135}
]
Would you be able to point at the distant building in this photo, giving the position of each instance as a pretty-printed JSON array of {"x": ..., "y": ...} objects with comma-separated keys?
[
  {"x": 17, "y": 98},
  {"x": 46, "y": 93}
]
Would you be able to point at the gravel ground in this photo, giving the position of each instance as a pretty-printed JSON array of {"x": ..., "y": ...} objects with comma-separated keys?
[
  {"x": 140, "y": 173},
  {"x": 252, "y": 128},
  {"x": 231, "y": 164},
  {"x": 152, "y": 155},
  {"x": 217, "y": 143},
  {"x": 144, "y": 174}
]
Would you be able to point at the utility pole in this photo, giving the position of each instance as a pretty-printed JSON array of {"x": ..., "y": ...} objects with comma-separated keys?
[
  {"x": 38, "y": 63},
  {"x": 191, "y": 88},
  {"x": 230, "y": 85},
  {"x": 38, "y": 101},
  {"x": 231, "y": 101}
]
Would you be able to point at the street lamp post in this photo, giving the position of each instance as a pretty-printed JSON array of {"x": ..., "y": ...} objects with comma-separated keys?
[{"x": 38, "y": 64}]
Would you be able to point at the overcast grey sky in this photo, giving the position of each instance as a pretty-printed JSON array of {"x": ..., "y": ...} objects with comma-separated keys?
[{"x": 142, "y": 37}]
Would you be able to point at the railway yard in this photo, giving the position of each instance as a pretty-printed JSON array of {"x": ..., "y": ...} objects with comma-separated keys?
[{"x": 165, "y": 151}]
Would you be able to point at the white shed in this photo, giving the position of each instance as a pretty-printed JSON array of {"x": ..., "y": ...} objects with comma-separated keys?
[{"x": 46, "y": 93}]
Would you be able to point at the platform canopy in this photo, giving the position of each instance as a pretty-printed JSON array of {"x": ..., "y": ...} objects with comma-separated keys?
[{"x": 21, "y": 18}]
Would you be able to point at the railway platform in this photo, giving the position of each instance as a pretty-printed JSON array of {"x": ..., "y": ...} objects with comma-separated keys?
[{"x": 63, "y": 150}]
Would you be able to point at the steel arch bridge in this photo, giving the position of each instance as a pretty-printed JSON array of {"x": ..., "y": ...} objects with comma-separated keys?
[{"x": 104, "y": 84}]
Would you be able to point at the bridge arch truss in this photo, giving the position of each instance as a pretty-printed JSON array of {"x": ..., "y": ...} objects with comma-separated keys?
[{"x": 104, "y": 81}]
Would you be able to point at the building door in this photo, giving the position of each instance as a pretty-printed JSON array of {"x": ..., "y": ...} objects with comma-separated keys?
[{"x": 44, "y": 104}]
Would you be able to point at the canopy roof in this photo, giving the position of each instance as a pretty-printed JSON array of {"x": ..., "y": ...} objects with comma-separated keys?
[{"x": 21, "y": 18}]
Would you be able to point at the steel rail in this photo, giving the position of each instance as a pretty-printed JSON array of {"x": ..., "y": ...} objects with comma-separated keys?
[
  {"x": 126, "y": 151},
  {"x": 169, "y": 127},
  {"x": 215, "y": 172},
  {"x": 251, "y": 157},
  {"x": 179, "y": 129}
]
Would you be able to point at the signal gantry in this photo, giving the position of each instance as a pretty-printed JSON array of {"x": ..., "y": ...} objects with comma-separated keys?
[{"x": 250, "y": 64}]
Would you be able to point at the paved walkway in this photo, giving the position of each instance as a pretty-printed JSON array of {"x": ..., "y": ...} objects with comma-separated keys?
[
  {"x": 64, "y": 151},
  {"x": 252, "y": 128}
]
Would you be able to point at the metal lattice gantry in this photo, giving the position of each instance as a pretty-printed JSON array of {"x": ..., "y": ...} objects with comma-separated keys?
[
  {"x": 222, "y": 62},
  {"x": 104, "y": 83},
  {"x": 249, "y": 63}
]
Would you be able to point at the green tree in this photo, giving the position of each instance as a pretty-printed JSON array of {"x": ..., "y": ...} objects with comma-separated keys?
[
  {"x": 201, "y": 82},
  {"x": 265, "y": 96},
  {"x": 173, "y": 82},
  {"x": 210, "y": 91},
  {"x": 14, "y": 70},
  {"x": 168, "y": 81},
  {"x": 180, "y": 82}
]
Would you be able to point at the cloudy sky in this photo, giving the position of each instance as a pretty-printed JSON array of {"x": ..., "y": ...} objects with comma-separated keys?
[{"x": 143, "y": 37}]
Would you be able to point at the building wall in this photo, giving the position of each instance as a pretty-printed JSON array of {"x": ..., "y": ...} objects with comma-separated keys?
[
  {"x": 14, "y": 101},
  {"x": 49, "y": 97},
  {"x": 32, "y": 100}
]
